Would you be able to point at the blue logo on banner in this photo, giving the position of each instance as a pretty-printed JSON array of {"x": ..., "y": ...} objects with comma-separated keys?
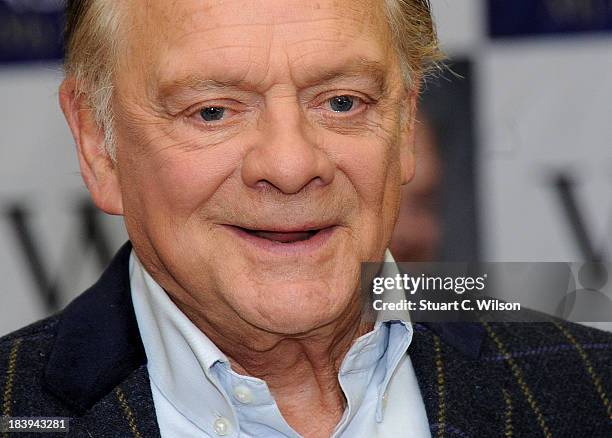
[
  {"x": 515, "y": 18},
  {"x": 31, "y": 30}
]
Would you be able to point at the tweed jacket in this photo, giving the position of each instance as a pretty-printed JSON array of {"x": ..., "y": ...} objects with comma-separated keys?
[{"x": 87, "y": 363}]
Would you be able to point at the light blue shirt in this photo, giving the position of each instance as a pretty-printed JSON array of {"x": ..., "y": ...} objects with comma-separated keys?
[{"x": 197, "y": 394}]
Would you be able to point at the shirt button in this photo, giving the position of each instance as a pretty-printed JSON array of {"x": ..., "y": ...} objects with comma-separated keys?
[
  {"x": 221, "y": 426},
  {"x": 243, "y": 394}
]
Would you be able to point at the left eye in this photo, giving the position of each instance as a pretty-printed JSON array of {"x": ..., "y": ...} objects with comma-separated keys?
[
  {"x": 212, "y": 113},
  {"x": 341, "y": 104}
]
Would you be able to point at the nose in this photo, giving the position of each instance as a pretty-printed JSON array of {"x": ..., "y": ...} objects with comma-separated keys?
[{"x": 287, "y": 156}]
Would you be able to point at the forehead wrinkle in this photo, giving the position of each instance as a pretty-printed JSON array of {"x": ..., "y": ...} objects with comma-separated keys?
[{"x": 308, "y": 74}]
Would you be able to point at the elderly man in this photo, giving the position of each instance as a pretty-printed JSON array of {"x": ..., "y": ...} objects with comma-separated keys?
[{"x": 256, "y": 150}]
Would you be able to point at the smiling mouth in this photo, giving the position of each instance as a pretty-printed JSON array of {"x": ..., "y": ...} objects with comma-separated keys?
[{"x": 282, "y": 237}]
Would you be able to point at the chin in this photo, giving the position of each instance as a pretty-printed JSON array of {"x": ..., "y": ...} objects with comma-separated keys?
[{"x": 294, "y": 308}]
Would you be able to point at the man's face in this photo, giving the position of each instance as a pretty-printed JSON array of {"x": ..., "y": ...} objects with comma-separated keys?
[{"x": 259, "y": 152}]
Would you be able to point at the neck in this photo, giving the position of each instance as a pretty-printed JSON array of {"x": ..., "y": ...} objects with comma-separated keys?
[{"x": 301, "y": 370}]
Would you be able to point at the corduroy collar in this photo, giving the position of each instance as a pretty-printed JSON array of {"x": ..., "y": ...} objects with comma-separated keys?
[{"x": 98, "y": 344}]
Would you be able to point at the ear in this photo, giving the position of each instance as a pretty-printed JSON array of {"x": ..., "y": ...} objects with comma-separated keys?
[
  {"x": 97, "y": 168},
  {"x": 407, "y": 136}
]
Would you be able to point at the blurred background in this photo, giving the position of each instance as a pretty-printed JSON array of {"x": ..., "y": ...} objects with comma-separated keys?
[{"x": 514, "y": 150}]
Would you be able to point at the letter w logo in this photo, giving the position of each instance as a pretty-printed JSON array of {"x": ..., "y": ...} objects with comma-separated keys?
[
  {"x": 565, "y": 190},
  {"x": 92, "y": 235}
]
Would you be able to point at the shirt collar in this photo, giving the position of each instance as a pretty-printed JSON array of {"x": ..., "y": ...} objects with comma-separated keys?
[
  {"x": 179, "y": 355},
  {"x": 393, "y": 295}
]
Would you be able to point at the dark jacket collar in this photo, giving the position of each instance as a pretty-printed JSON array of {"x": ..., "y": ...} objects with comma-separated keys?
[
  {"x": 98, "y": 344},
  {"x": 466, "y": 337}
]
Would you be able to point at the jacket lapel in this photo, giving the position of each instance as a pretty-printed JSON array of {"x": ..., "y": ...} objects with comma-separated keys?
[
  {"x": 126, "y": 411},
  {"x": 97, "y": 366},
  {"x": 456, "y": 384}
]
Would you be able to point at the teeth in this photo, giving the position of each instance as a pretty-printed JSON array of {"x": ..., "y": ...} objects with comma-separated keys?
[{"x": 285, "y": 237}]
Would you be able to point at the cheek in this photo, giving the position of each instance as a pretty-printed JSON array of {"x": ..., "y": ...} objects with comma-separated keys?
[
  {"x": 178, "y": 180},
  {"x": 372, "y": 167}
]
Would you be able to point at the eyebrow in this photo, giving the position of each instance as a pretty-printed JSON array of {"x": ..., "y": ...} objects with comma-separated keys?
[
  {"x": 195, "y": 83},
  {"x": 374, "y": 71},
  {"x": 355, "y": 69}
]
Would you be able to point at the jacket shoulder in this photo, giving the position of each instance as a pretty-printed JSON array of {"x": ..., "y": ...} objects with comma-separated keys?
[
  {"x": 557, "y": 349},
  {"x": 39, "y": 329},
  {"x": 549, "y": 378},
  {"x": 23, "y": 356},
  {"x": 559, "y": 371},
  {"x": 554, "y": 332}
]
